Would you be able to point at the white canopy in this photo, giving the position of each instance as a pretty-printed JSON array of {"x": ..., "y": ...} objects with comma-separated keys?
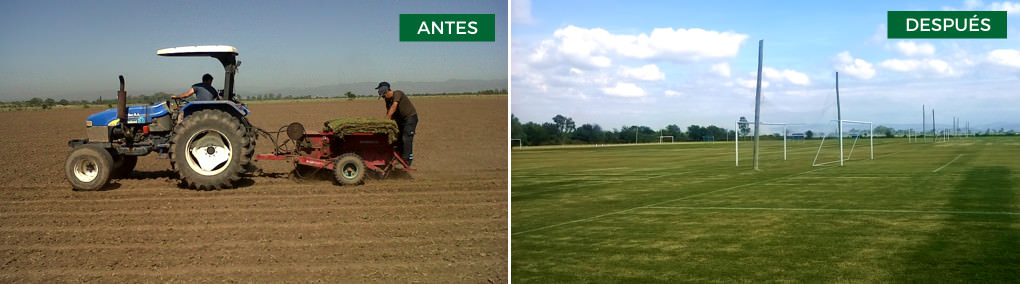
[{"x": 200, "y": 50}]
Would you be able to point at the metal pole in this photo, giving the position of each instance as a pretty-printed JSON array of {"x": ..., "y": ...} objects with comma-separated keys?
[
  {"x": 924, "y": 126},
  {"x": 934, "y": 133},
  {"x": 785, "y": 133},
  {"x": 757, "y": 104},
  {"x": 736, "y": 145},
  {"x": 871, "y": 136},
  {"x": 839, "y": 122}
]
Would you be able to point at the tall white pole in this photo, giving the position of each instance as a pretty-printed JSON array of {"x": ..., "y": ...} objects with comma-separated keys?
[
  {"x": 839, "y": 122},
  {"x": 757, "y": 104},
  {"x": 736, "y": 145},
  {"x": 871, "y": 135},
  {"x": 924, "y": 126},
  {"x": 785, "y": 133}
]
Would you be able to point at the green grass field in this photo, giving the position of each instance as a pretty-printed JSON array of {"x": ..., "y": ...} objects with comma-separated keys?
[{"x": 932, "y": 212}]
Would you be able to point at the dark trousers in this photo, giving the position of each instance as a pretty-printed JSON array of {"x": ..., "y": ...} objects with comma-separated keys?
[{"x": 407, "y": 127}]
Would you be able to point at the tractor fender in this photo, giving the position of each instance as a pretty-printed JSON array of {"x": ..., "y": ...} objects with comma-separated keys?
[{"x": 238, "y": 111}]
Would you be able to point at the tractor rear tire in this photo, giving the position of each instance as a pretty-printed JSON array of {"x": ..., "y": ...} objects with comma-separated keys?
[
  {"x": 123, "y": 165},
  {"x": 88, "y": 167},
  {"x": 349, "y": 169},
  {"x": 211, "y": 149}
]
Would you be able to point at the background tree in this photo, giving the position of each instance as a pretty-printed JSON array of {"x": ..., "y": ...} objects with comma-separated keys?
[
  {"x": 745, "y": 127},
  {"x": 516, "y": 129},
  {"x": 589, "y": 133},
  {"x": 809, "y": 134},
  {"x": 349, "y": 95}
]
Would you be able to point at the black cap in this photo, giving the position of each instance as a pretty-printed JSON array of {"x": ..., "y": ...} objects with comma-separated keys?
[
  {"x": 382, "y": 84},
  {"x": 206, "y": 77}
]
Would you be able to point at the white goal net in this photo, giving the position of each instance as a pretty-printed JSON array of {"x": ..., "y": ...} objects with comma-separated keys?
[{"x": 838, "y": 145}]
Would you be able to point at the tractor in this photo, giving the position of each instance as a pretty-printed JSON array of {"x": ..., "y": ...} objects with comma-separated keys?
[{"x": 210, "y": 144}]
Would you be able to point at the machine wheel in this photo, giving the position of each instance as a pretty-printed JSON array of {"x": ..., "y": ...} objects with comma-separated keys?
[
  {"x": 123, "y": 165},
  {"x": 349, "y": 169},
  {"x": 88, "y": 167},
  {"x": 211, "y": 149}
]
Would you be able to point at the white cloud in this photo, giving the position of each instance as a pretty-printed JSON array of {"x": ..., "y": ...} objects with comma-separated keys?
[
  {"x": 1007, "y": 57},
  {"x": 910, "y": 48},
  {"x": 1010, "y": 7},
  {"x": 723, "y": 69},
  {"x": 672, "y": 93},
  {"x": 856, "y": 67},
  {"x": 649, "y": 72},
  {"x": 521, "y": 11},
  {"x": 901, "y": 65},
  {"x": 787, "y": 75},
  {"x": 598, "y": 46},
  {"x": 624, "y": 90},
  {"x": 936, "y": 66}
]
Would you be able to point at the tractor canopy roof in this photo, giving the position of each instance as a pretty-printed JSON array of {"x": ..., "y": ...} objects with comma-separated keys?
[{"x": 225, "y": 53}]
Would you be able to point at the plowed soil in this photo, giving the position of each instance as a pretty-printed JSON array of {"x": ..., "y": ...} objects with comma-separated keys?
[{"x": 445, "y": 223}]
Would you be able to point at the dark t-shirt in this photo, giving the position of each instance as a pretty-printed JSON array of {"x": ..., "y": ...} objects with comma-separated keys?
[
  {"x": 204, "y": 92},
  {"x": 405, "y": 108}
]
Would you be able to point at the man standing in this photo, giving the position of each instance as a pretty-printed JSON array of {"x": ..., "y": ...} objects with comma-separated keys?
[
  {"x": 400, "y": 109},
  {"x": 203, "y": 91}
]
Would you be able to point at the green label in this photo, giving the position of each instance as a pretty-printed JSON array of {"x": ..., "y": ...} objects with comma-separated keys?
[
  {"x": 447, "y": 27},
  {"x": 947, "y": 24}
]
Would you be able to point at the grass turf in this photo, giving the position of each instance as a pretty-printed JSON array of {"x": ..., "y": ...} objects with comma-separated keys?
[{"x": 921, "y": 212}]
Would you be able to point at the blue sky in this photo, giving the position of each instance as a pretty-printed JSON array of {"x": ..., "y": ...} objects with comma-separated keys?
[
  {"x": 76, "y": 49},
  {"x": 656, "y": 63}
]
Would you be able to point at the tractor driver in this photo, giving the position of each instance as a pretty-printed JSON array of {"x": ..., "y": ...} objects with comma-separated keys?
[
  {"x": 400, "y": 109},
  {"x": 203, "y": 91}
]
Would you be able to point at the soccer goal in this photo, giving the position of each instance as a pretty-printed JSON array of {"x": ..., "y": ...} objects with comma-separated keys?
[
  {"x": 770, "y": 136},
  {"x": 661, "y": 138},
  {"x": 520, "y": 145},
  {"x": 827, "y": 153}
]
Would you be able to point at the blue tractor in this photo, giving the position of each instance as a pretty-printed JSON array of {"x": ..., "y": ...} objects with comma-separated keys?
[{"x": 210, "y": 144}]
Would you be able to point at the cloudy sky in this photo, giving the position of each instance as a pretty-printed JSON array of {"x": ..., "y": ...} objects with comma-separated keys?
[
  {"x": 75, "y": 49},
  {"x": 656, "y": 63}
]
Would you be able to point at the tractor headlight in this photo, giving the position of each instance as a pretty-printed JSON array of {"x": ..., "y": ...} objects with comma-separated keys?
[{"x": 88, "y": 123}]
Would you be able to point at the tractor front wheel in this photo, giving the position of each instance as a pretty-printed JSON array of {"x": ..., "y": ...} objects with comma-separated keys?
[
  {"x": 349, "y": 169},
  {"x": 88, "y": 167}
]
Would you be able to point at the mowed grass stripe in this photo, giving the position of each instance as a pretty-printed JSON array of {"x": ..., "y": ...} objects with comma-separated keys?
[{"x": 654, "y": 204}]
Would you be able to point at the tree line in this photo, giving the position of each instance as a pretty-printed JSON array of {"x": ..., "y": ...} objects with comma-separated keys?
[{"x": 563, "y": 130}]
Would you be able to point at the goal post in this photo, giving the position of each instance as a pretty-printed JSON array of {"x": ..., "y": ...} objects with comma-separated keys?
[
  {"x": 841, "y": 135},
  {"x": 520, "y": 145},
  {"x": 736, "y": 140},
  {"x": 670, "y": 138}
]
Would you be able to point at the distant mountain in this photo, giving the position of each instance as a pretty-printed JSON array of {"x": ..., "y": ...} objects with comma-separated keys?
[{"x": 368, "y": 88}]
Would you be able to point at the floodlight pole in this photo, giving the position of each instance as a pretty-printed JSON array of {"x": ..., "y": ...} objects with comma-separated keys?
[
  {"x": 924, "y": 126},
  {"x": 757, "y": 104},
  {"x": 839, "y": 122}
]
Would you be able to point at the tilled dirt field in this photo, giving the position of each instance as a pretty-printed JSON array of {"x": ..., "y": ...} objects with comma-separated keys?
[{"x": 447, "y": 222}]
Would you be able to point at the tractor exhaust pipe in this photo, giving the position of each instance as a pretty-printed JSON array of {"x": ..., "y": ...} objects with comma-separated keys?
[{"x": 122, "y": 102}]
